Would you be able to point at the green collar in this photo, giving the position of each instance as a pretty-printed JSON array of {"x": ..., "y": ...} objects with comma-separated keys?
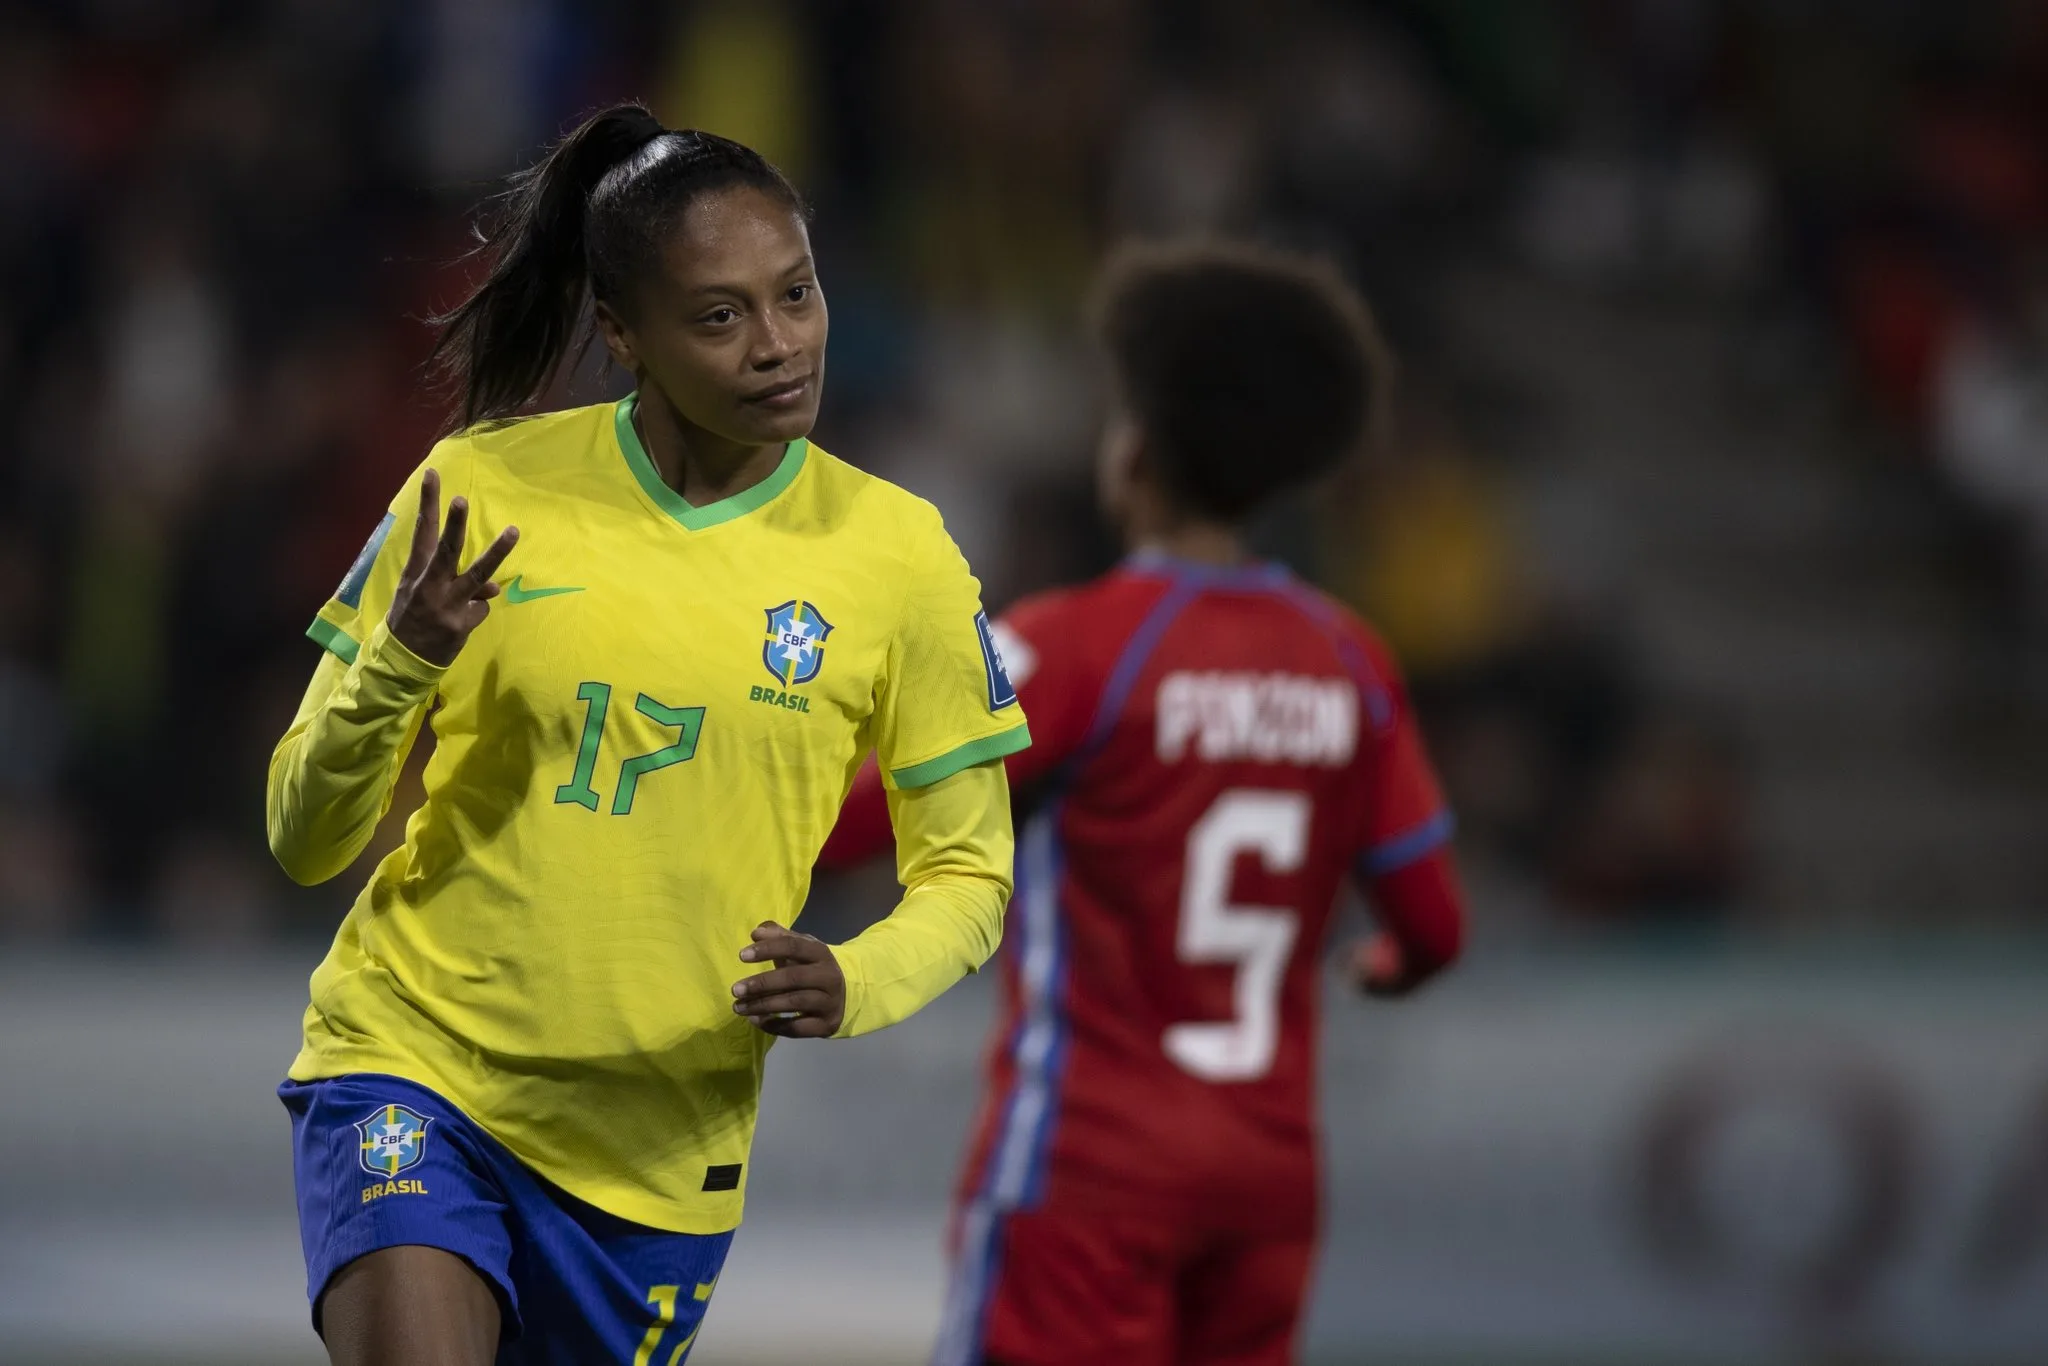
[{"x": 671, "y": 502}]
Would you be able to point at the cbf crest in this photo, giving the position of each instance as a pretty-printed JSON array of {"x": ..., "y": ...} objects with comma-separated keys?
[
  {"x": 795, "y": 648},
  {"x": 393, "y": 1139}
]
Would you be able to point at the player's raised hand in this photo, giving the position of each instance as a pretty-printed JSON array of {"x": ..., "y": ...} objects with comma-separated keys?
[
  {"x": 437, "y": 605},
  {"x": 804, "y": 997}
]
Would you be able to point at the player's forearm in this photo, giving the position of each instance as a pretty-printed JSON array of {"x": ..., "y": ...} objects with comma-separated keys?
[
  {"x": 954, "y": 849},
  {"x": 1422, "y": 906},
  {"x": 332, "y": 775},
  {"x": 938, "y": 934}
]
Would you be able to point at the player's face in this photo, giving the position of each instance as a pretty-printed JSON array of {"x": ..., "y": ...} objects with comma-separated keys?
[{"x": 733, "y": 328}]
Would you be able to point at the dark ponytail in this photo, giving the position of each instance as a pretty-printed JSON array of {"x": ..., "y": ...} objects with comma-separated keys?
[{"x": 585, "y": 222}]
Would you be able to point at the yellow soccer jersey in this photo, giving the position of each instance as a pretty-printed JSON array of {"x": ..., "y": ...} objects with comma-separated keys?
[{"x": 640, "y": 752}]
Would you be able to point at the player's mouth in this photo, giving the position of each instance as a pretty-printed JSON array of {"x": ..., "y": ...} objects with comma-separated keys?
[{"x": 789, "y": 394}]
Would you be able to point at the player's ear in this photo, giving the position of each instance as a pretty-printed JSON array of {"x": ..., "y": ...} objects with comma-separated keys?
[
  {"x": 1117, "y": 460},
  {"x": 617, "y": 342}
]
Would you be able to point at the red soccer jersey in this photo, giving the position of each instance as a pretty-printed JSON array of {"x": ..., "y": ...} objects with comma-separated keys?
[{"x": 1214, "y": 751}]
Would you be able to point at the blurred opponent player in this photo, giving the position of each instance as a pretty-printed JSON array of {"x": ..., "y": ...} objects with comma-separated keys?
[{"x": 1217, "y": 746}]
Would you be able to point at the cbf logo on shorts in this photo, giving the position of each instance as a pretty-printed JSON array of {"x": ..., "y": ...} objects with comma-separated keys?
[
  {"x": 795, "y": 648},
  {"x": 393, "y": 1139}
]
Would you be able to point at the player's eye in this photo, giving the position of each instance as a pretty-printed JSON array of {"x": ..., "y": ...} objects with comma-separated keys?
[
  {"x": 799, "y": 293},
  {"x": 720, "y": 316}
]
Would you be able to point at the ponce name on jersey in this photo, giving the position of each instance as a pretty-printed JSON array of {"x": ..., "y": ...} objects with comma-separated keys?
[{"x": 1265, "y": 717}]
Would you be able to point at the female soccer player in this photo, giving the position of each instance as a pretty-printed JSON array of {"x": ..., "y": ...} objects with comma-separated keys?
[
  {"x": 523, "y": 1107},
  {"x": 1220, "y": 746}
]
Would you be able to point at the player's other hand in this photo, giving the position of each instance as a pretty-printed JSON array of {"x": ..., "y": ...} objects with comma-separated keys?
[
  {"x": 437, "y": 606},
  {"x": 1379, "y": 967},
  {"x": 804, "y": 997}
]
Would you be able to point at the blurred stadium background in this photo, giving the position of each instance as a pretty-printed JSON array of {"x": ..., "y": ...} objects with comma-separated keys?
[{"x": 1714, "y": 532}]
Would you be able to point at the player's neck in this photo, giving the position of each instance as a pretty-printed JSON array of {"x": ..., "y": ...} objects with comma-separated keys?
[
  {"x": 702, "y": 468},
  {"x": 1195, "y": 542}
]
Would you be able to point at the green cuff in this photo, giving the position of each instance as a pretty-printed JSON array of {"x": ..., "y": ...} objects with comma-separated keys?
[
  {"x": 333, "y": 639},
  {"x": 974, "y": 752},
  {"x": 386, "y": 651}
]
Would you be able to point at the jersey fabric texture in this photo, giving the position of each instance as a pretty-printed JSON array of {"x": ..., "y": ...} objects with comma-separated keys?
[
  {"x": 380, "y": 1162},
  {"x": 639, "y": 752},
  {"x": 1217, "y": 751}
]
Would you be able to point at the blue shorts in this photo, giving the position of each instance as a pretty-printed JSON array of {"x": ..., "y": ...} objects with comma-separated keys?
[{"x": 381, "y": 1162}]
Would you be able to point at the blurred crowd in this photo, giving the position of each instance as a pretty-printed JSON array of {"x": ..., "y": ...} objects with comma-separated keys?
[{"x": 224, "y": 220}]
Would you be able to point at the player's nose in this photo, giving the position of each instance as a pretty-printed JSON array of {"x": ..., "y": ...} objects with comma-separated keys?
[{"x": 775, "y": 344}]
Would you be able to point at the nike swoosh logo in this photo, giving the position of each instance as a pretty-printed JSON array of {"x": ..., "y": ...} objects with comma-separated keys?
[{"x": 514, "y": 593}]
